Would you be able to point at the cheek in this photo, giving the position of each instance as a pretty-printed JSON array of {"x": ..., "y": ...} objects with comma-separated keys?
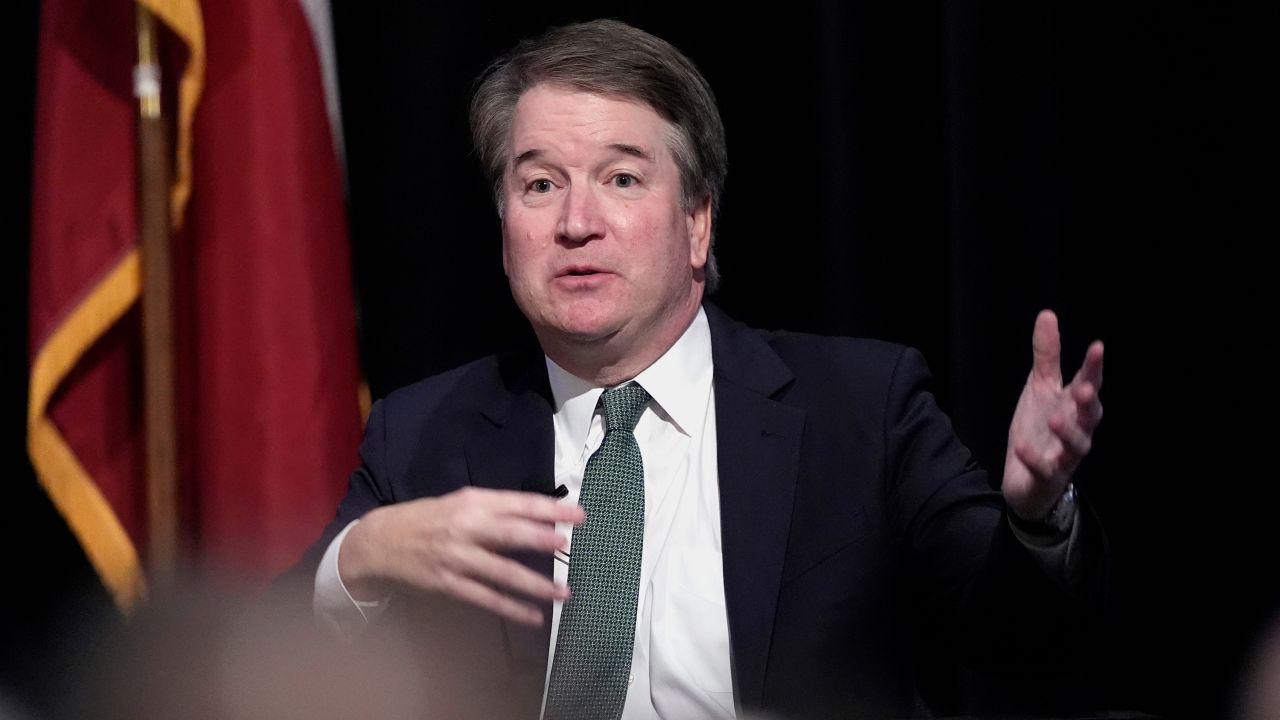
[
  {"x": 648, "y": 237},
  {"x": 525, "y": 258},
  {"x": 676, "y": 248},
  {"x": 521, "y": 238}
]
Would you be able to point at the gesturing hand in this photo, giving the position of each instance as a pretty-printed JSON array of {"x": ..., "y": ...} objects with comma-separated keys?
[
  {"x": 1052, "y": 428},
  {"x": 454, "y": 545}
]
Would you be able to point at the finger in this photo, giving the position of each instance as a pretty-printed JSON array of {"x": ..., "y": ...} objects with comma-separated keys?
[
  {"x": 480, "y": 564},
  {"x": 515, "y": 533},
  {"x": 1088, "y": 406},
  {"x": 483, "y": 596},
  {"x": 1075, "y": 440},
  {"x": 532, "y": 506},
  {"x": 1091, "y": 370},
  {"x": 1046, "y": 349}
]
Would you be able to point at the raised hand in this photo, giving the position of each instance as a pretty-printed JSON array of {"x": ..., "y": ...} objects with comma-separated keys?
[{"x": 1053, "y": 424}]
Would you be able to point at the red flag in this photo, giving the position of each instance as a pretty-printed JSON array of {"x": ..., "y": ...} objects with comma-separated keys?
[{"x": 264, "y": 317}]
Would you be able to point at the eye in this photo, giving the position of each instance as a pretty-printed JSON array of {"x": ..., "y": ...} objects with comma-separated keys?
[
  {"x": 540, "y": 186},
  {"x": 624, "y": 180}
]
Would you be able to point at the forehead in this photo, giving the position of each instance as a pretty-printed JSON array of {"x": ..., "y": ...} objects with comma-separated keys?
[{"x": 556, "y": 118}]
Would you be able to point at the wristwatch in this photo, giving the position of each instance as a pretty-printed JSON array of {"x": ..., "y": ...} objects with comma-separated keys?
[{"x": 1059, "y": 520}]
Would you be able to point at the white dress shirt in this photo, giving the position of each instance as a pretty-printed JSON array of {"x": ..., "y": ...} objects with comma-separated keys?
[{"x": 680, "y": 666}]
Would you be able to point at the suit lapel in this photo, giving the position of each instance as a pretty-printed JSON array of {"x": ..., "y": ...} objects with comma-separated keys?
[
  {"x": 512, "y": 448},
  {"x": 513, "y": 445},
  {"x": 758, "y": 448}
]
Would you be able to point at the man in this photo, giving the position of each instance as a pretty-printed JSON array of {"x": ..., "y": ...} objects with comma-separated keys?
[{"x": 772, "y": 521}]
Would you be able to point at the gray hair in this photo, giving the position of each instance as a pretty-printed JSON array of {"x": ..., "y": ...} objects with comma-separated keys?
[{"x": 608, "y": 57}]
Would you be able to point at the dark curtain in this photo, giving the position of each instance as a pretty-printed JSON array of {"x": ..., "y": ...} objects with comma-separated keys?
[{"x": 931, "y": 174}]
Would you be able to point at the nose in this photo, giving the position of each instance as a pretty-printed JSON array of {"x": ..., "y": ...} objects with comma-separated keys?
[{"x": 580, "y": 216}]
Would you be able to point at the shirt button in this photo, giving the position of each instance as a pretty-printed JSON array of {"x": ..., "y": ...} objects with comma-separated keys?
[{"x": 631, "y": 680}]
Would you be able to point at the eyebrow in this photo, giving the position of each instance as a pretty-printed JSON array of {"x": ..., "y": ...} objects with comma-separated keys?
[
  {"x": 622, "y": 148},
  {"x": 633, "y": 150}
]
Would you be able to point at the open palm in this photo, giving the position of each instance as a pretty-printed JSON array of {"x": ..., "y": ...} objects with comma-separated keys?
[{"x": 1053, "y": 424}]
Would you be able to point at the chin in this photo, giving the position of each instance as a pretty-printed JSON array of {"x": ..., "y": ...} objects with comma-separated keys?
[
  {"x": 584, "y": 324},
  {"x": 586, "y": 332}
]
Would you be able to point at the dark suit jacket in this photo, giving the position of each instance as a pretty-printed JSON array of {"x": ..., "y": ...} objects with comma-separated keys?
[{"x": 858, "y": 534}]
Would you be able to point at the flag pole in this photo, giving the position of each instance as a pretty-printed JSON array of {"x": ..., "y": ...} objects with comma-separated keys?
[{"x": 157, "y": 310}]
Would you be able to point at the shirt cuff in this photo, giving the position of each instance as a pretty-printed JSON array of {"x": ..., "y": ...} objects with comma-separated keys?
[
  {"x": 336, "y": 611},
  {"x": 1056, "y": 553}
]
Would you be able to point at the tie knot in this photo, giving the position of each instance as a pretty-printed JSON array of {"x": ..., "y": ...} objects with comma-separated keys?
[{"x": 623, "y": 406}]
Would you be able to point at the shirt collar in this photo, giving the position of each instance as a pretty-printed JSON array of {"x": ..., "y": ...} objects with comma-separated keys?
[{"x": 679, "y": 383}]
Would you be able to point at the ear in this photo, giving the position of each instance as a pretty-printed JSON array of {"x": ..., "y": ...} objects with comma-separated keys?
[{"x": 699, "y": 224}]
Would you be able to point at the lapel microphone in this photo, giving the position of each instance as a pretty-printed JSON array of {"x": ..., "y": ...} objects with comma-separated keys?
[{"x": 558, "y": 493}]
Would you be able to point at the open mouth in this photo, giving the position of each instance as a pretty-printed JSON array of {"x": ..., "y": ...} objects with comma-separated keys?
[{"x": 580, "y": 271}]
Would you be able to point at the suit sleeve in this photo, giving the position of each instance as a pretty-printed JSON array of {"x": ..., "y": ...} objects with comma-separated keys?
[
  {"x": 369, "y": 486},
  {"x": 975, "y": 589}
]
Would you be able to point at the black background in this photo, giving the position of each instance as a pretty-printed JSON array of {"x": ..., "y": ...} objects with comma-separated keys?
[{"x": 931, "y": 174}]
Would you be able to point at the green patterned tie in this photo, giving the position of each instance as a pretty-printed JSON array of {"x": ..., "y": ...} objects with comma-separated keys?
[{"x": 592, "y": 666}]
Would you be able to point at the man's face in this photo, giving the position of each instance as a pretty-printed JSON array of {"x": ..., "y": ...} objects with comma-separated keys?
[{"x": 596, "y": 245}]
